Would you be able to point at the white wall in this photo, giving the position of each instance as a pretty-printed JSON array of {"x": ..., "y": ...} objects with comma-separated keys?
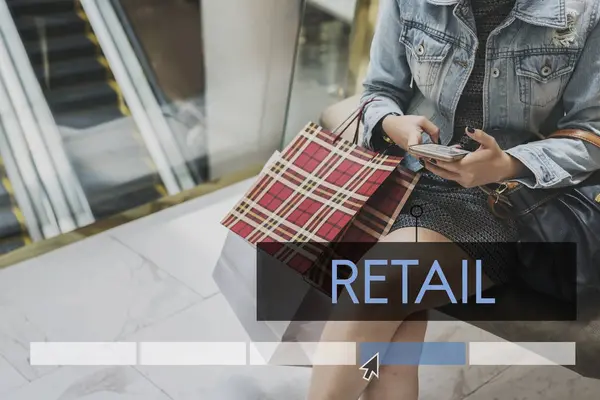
[{"x": 249, "y": 48}]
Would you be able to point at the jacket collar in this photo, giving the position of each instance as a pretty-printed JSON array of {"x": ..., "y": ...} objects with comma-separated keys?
[{"x": 551, "y": 13}]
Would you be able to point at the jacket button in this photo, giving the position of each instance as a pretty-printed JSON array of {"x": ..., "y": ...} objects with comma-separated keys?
[
  {"x": 421, "y": 50},
  {"x": 597, "y": 199},
  {"x": 546, "y": 177},
  {"x": 546, "y": 70},
  {"x": 495, "y": 72}
]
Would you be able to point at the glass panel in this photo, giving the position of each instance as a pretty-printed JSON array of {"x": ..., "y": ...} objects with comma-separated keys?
[
  {"x": 166, "y": 37},
  {"x": 321, "y": 72},
  {"x": 106, "y": 105}
]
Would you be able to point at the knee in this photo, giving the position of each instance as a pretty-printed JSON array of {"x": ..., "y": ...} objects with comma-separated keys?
[
  {"x": 359, "y": 331},
  {"x": 411, "y": 235},
  {"x": 367, "y": 331},
  {"x": 398, "y": 373}
]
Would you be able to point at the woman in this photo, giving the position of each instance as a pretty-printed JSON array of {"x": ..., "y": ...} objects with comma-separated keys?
[{"x": 487, "y": 75}]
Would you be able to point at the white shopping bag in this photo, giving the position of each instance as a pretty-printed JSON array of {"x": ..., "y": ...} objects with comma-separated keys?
[{"x": 235, "y": 275}]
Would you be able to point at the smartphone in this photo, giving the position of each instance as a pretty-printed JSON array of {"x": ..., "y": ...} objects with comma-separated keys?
[{"x": 437, "y": 152}]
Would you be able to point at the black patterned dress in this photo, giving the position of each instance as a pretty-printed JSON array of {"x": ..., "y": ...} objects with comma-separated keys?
[{"x": 462, "y": 215}]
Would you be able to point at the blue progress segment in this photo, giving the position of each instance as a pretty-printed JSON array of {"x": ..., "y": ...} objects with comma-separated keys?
[{"x": 428, "y": 353}]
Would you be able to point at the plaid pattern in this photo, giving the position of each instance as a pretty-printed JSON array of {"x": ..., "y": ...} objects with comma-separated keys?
[{"x": 319, "y": 191}]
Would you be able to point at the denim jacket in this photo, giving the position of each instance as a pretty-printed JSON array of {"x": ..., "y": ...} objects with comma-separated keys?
[{"x": 542, "y": 74}]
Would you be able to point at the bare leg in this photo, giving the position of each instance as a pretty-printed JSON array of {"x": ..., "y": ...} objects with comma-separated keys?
[
  {"x": 345, "y": 382},
  {"x": 399, "y": 382}
]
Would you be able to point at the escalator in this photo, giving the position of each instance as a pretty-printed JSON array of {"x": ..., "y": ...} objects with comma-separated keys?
[
  {"x": 101, "y": 140},
  {"x": 13, "y": 230}
]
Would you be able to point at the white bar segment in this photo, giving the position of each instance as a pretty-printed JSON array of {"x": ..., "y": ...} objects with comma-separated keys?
[
  {"x": 522, "y": 353},
  {"x": 302, "y": 353},
  {"x": 82, "y": 353},
  {"x": 192, "y": 353}
]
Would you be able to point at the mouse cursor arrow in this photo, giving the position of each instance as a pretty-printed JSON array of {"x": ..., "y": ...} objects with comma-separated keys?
[{"x": 371, "y": 368}]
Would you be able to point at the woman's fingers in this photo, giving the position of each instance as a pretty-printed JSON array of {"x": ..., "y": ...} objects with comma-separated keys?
[
  {"x": 453, "y": 166},
  {"x": 481, "y": 137},
  {"x": 453, "y": 176},
  {"x": 415, "y": 138},
  {"x": 430, "y": 128}
]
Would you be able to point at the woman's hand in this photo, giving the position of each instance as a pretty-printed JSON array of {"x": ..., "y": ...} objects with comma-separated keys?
[
  {"x": 407, "y": 130},
  {"x": 488, "y": 164}
]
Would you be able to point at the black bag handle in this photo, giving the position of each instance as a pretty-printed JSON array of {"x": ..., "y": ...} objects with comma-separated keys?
[{"x": 355, "y": 116}]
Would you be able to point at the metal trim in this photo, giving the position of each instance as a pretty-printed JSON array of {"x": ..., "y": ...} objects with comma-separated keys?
[{"x": 361, "y": 36}]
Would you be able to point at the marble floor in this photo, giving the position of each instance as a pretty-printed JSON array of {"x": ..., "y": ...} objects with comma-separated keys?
[{"x": 151, "y": 280}]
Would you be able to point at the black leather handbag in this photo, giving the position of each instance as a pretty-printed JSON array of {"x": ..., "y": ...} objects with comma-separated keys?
[{"x": 555, "y": 215}]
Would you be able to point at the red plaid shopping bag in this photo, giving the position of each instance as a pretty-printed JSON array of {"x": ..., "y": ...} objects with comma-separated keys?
[{"x": 321, "y": 190}]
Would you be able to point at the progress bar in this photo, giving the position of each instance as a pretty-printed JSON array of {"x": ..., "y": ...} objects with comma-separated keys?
[{"x": 299, "y": 353}]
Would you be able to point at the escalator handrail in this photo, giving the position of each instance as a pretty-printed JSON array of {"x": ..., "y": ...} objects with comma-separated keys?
[
  {"x": 125, "y": 82},
  {"x": 20, "y": 169},
  {"x": 138, "y": 94},
  {"x": 152, "y": 106},
  {"x": 42, "y": 133},
  {"x": 141, "y": 54},
  {"x": 31, "y": 134},
  {"x": 21, "y": 196}
]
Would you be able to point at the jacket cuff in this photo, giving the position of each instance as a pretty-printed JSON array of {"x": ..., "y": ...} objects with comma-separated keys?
[
  {"x": 544, "y": 172},
  {"x": 374, "y": 114}
]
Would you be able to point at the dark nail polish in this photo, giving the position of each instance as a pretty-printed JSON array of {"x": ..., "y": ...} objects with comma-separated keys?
[
  {"x": 422, "y": 162},
  {"x": 431, "y": 160},
  {"x": 470, "y": 130}
]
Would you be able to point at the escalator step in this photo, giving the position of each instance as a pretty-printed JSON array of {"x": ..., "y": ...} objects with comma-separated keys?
[
  {"x": 9, "y": 225},
  {"x": 71, "y": 72},
  {"x": 60, "y": 49},
  {"x": 11, "y": 243},
  {"x": 80, "y": 97},
  {"x": 83, "y": 119},
  {"x": 125, "y": 197},
  {"x": 52, "y": 25},
  {"x": 39, "y": 7}
]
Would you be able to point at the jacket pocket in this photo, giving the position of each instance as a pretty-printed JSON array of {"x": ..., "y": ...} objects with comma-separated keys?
[
  {"x": 543, "y": 77},
  {"x": 425, "y": 52}
]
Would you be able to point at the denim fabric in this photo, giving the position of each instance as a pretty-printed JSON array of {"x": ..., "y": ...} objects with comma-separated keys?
[{"x": 542, "y": 74}]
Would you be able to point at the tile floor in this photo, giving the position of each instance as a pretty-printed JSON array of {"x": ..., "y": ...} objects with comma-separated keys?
[{"x": 151, "y": 280}]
